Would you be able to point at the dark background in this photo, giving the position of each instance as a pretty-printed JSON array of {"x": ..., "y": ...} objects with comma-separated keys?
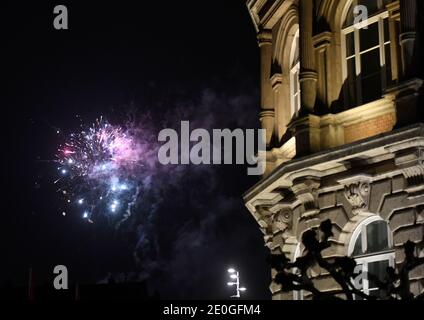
[{"x": 155, "y": 56}]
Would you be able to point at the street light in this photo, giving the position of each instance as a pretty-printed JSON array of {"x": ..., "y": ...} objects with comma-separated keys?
[{"x": 234, "y": 274}]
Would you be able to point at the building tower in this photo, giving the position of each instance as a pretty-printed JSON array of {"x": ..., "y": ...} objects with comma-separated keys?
[{"x": 342, "y": 102}]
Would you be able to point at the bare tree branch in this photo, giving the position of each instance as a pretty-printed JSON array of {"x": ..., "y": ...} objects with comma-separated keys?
[{"x": 293, "y": 276}]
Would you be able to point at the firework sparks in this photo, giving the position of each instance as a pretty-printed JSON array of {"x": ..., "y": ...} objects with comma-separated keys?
[{"x": 98, "y": 169}]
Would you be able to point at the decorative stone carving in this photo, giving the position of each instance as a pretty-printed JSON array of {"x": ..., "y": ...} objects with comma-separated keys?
[
  {"x": 264, "y": 218},
  {"x": 410, "y": 161},
  {"x": 269, "y": 239},
  {"x": 357, "y": 191},
  {"x": 306, "y": 191},
  {"x": 358, "y": 195},
  {"x": 414, "y": 176},
  {"x": 275, "y": 226},
  {"x": 278, "y": 241},
  {"x": 283, "y": 219}
]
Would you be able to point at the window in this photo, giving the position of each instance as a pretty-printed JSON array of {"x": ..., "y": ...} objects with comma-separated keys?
[
  {"x": 372, "y": 248},
  {"x": 294, "y": 77},
  {"x": 366, "y": 54}
]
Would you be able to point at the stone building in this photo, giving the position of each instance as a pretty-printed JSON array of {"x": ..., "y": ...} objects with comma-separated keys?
[{"x": 341, "y": 86}]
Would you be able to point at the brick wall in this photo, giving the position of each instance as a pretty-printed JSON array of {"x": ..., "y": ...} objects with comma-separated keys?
[{"x": 369, "y": 128}]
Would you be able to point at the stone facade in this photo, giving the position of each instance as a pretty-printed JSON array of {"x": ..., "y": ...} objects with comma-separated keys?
[{"x": 330, "y": 159}]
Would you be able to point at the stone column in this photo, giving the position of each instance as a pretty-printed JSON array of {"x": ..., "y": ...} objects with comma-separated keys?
[
  {"x": 280, "y": 114},
  {"x": 308, "y": 76},
  {"x": 394, "y": 15},
  {"x": 322, "y": 44},
  {"x": 267, "y": 115},
  {"x": 408, "y": 19},
  {"x": 407, "y": 93},
  {"x": 306, "y": 128}
]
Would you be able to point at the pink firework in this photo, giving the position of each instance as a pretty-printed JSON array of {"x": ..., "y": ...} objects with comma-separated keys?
[{"x": 99, "y": 167}]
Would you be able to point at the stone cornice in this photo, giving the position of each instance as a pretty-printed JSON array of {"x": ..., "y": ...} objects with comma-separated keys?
[
  {"x": 266, "y": 13},
  {"x": 378, "y": 145}
]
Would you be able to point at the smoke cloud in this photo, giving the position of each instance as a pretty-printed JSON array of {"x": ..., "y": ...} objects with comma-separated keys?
[{"x": 186, "y": 217}]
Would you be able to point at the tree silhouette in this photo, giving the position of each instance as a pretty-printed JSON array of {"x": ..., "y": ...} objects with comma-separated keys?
[{"x": 293, "y": 276}]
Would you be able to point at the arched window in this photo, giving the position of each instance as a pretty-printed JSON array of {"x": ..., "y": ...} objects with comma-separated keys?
[
  {"x": 372, "y": 247},
  {"x": 294, "y": 76},
  {"x": 366, "y": 52}
]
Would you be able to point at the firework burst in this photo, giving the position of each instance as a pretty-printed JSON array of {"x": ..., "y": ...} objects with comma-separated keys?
[{"x": 98, "y": 169}]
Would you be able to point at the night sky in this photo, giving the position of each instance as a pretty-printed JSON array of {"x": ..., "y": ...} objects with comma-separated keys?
[{"x": 171, "y": 60}]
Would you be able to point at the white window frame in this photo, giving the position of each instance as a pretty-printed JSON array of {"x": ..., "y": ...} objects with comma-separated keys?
[
  {"x": 295, "y": 101},
  {"x": 295, "y": 96},
  {"x": 366, "y": 259},
  {"x": 377, "y": 18}
]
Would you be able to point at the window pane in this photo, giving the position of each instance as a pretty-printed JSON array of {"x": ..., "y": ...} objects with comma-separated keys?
[
  {"x": 350, "y": 44},
  {"x": 371, "y": 76},
  {"x": 372, "y": 5},
  {"x": 377, "y": 270},
  {"x": 370, "y": 63},
  {"x": 357, "y": 251},
  {"x": 386, "y": 30},
  {"x": 351, "y": 68},
  {"x": 377, "y": 237},
  {"x": 371, "y": 88},
  {"x": 369, "y": 37},
  {"x": 351, "y": 83},
  {"x": 389, "y": 75}
]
